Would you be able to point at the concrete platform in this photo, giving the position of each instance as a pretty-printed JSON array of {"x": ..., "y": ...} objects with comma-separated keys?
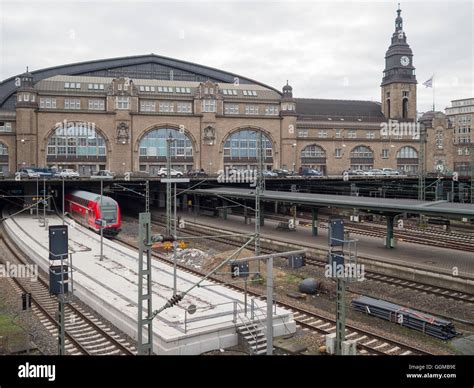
[
  {"x": 441, "y": 260},
  {"x": 110, "y": 288}
]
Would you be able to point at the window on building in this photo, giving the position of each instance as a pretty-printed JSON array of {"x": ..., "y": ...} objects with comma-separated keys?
[
  {"x": 97, "y": 104},
  {"x": 405, "y": 108},
  {"x": 231, "y": 109},
  {"x": 323, "y": 133},
  {"x": 166, "y": 107},
  {"x": 47, "y": 103},
  {"x": 302, "y": 133},
  {"x": 3, "y": 150},
  {"x": 5, "y": 126},
  {"x": 370, "y": 134},
  {"x": 338, "y": 152},
  {"x": 147, "y": 106},
  {"x": 405, "y": 94},
  {"x": 209, "y": 105},
  {"x": 271, "y": 110},
  {"x": 122, "y": 102},
  {"x": 351, "y": 133},
  {"x": 154, "y": 144},
  {"x": 242, "y": 145},
  {"x": 385, "y": 153},
  {"x": 184, "y": 107},
  {"x": 313, "y": 151},
  {"x": 362, "y": 152},
  {"x": 251, "y": 109},
  {"x": 407, "y": 152},
  {"x": 338, "y": 133},
  {"x": 72, "y": 103},
  {"x": 77, "y": 141}
]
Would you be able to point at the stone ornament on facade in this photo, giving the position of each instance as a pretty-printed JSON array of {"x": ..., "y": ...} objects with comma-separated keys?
[
  {"x": 122, "y": 87},
  {"x": 209, "y": 135},
  {"x": 123, "y": 134}
]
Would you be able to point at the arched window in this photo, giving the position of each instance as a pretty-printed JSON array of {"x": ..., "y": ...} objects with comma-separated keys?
[
  {"x": 153, "y": 150},
  {"x": 388, "y": 108},
  {"x": 407, "y": 160},
  {"x": 407, "y": 152},
  {"x": 75, "y": 142},
  {"x": 78, "y": 146},
  {"x": 313, "y": 151},
  {"x": 405, "y": 108},
  {"x": 362, "y": 158},
  {"x": 240, "y": 149},
  {"x": 314, "y": 156},
  {"x": 362, "y": 152}
]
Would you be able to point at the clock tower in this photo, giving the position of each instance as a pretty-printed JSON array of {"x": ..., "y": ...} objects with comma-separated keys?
[{"x": 399, "y": 80}]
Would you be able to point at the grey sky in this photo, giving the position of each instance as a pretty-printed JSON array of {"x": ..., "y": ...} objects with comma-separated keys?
[{"x": 325, "y": 49}]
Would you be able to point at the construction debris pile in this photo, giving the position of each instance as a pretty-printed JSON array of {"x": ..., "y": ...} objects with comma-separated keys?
[
  {"x": 405, "y": 316},
  {"x": 191, "y": 257}
]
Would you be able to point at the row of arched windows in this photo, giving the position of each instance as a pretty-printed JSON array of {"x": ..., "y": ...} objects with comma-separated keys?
[{"x": 239, "y": 149}]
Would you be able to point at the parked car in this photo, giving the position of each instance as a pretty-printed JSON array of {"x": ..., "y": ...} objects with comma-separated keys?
[
  {"x": 375, "y": 172},
  {"x": 67, "y": 173},
  {"x": 162, "y": 172},
  {"x": 281, "y": 172},
  {"x": 306, "y": 171},
  {"x": 269, "y": 174},
  {"x": 28, "y": 173},
  {"x": 43, "y": 172},
  {"x": 390, "y": 171},
  {"x": 197, "y": 173},
  {"x": 103, "y": 174}
]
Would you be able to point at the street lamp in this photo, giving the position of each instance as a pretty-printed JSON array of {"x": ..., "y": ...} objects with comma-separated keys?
[{"x": 294, "y": 154}]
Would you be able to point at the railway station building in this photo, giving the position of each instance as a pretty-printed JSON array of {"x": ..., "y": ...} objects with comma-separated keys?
[{"x": 117, "y": 114}]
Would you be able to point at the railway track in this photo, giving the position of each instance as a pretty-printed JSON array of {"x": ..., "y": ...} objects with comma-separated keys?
[
  {"x": 369, "y": 343},
  {"x": 85, "y": 334},
  {"x": 379, "y": 278},
  {"x": 461, "y": 242}
]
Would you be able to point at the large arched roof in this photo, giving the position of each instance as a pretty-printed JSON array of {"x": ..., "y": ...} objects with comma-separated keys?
[{"x": 149, "y": 66}]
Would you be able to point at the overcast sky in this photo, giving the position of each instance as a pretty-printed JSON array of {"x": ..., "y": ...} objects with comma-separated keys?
[{"x": 327, "y": 49}]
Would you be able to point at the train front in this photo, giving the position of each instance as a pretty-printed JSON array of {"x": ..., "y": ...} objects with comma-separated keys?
[{"x": 110, "y": 213}]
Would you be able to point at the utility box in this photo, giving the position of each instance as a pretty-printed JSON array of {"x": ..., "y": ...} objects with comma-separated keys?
[
  {"x": 58, "y": 242},
  {"x": 240, "y": 270},
  {"x": 349, "y": 348},
  {"x": 296, "y": 261},
  {"x": 331, "y": 343},
  {"x": 55, "y": 279},
  {"x": 336, "y": 232}
]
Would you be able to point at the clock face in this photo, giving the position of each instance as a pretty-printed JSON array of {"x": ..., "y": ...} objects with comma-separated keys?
[{"x": 405, "y": 61}]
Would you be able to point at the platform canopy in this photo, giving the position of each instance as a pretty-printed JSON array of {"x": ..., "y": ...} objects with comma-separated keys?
[{"x": 367, "y": 204}]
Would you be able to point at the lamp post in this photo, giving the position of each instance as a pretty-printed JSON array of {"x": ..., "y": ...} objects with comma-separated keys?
[
  {"x": 294, "y": 156},
  {"x": 101, "y": 222}
]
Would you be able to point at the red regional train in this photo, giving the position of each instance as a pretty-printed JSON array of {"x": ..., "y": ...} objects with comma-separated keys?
[{"x": 85, "y": 207}]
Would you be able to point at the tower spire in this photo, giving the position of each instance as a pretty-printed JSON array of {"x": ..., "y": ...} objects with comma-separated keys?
[{"x": 398, "y": 20}]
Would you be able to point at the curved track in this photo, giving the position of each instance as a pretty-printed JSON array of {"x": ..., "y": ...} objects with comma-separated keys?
[{"x": 85, "y": 334}]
